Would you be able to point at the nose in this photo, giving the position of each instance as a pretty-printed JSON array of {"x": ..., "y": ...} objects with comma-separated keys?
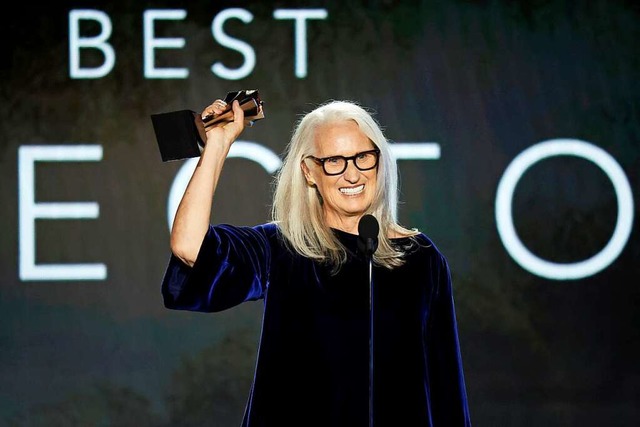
[{"x": 352, "y": 173}]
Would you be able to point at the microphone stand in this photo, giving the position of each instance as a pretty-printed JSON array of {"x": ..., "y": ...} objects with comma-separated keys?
[
  {"x": 370, "y": 257},
  {"x": 368, "y": 229}
]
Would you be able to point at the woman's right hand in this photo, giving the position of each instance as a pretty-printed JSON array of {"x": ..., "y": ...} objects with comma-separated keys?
[{"x": 224, "y": 133}]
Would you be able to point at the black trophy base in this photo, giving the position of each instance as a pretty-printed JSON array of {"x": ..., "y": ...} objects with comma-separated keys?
[{"x": 180, "y": 134}]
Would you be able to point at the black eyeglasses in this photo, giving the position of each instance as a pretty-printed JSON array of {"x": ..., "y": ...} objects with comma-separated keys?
[{"x": 335, "y": 165}]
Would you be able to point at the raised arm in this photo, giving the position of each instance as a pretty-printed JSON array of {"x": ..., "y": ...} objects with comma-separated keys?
[{"x": 192, "y": 218}]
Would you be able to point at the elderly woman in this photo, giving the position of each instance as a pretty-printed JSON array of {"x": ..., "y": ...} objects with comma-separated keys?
[{"x": 314, "y": 366}]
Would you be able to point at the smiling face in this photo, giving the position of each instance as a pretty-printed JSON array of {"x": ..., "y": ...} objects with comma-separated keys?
[{"x": 347, "y": 196}]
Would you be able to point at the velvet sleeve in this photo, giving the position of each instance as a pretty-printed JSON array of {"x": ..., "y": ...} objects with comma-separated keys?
[
  {"x": 232, "y": 266},
  {"x": 445, "y": 371}
]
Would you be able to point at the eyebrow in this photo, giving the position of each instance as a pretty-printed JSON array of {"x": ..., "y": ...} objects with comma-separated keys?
[{"x": 345, "y": 155}]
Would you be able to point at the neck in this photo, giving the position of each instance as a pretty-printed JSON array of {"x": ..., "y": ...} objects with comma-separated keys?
[{"x": 348, "y": 224}]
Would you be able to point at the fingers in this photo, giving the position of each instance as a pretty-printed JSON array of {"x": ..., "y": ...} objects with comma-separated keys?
[
  {"x": 216, "y": 108},
  {"x": 219, "y": 104},
  {"x": 238, "y": 114},
  {"x": 228, "y": 129}
]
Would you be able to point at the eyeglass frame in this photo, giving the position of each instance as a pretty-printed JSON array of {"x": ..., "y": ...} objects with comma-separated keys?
[{"x": 320, "y": 161}]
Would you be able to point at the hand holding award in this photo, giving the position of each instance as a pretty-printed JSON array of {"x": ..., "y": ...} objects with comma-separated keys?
[
  {"x": 182, "y": 134},
  {"x": 250, "y": 103}
]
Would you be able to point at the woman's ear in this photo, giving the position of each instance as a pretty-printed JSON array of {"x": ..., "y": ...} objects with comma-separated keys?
[{"x": 307, "y": 174}]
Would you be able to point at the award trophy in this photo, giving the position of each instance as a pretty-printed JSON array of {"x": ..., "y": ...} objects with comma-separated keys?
[{"x": 182, "y": 134}]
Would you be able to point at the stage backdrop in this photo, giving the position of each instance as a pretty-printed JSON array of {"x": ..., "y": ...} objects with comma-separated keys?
[{"x": 516, "y": 129}]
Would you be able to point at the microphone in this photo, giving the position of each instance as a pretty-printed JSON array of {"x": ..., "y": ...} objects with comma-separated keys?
[{"x": 368, "y": 229}]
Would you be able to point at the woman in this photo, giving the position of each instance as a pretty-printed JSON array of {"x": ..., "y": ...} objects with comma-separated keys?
[{"x": 313, "y": 359}]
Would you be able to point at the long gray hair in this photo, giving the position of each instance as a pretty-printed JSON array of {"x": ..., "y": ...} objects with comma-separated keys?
[{"x": 297, "y": 207}]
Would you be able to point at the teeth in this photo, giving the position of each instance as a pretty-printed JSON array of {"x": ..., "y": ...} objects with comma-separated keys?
[{"x": 352, "y": 190}]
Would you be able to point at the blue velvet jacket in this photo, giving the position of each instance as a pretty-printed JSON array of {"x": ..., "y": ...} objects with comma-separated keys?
[{"x": 313, "y": 358}]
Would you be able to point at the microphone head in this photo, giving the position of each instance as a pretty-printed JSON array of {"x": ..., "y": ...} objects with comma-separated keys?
[{"x": 368, "y": 229}]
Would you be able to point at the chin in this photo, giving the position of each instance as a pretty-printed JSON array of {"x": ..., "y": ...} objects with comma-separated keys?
[{"x": 358, "y": 209}]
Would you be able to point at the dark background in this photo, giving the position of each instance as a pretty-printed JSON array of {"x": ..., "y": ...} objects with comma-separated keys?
[{"x": 483, "y": 79}]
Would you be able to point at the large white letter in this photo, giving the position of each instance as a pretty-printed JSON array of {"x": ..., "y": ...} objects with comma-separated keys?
[
  {"x": 97, "y": 42},
  {"x": 415, "y": 150},
  {"x": 300, "y": 16},
  {"x": 244, "y": 48},
  {"x": 504, "y": 220},
  {"x": 29, "y": 210},
  {"x": 151, "y": 43}
]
